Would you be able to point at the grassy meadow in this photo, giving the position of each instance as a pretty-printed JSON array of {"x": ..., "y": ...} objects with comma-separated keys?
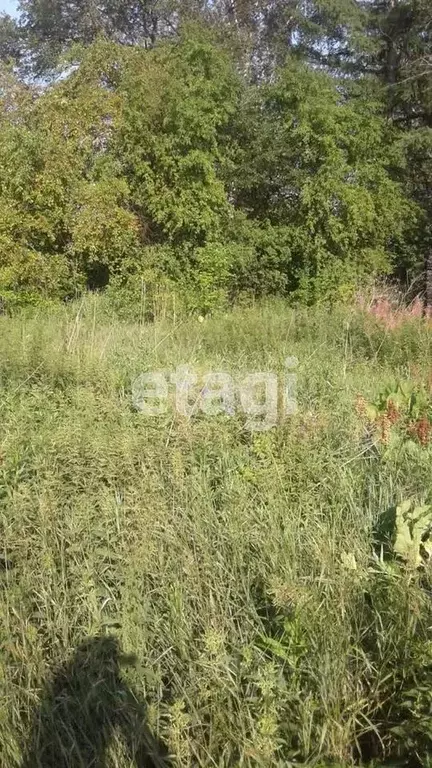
[{"x": 182, "y": 591}]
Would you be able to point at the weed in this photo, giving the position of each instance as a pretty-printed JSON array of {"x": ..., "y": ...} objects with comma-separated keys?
[{"x": 237, "y": 569}]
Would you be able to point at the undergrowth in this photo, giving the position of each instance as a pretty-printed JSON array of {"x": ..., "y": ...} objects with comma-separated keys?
[{"x": 195, "y": 591}]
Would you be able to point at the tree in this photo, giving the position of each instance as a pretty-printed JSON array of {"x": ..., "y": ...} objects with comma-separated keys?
[
  {"x": 120, "y": 155},
  {"x": 168, "y": 159},
  {"x": 402, "y": 57},
  {"x": 11, "y": 40},
  {"x": 316, "y": 162},
  {"x": 64, "y": 204},
  {"x": 176, "y": 101},
  {"x": 261, "y": 33}
]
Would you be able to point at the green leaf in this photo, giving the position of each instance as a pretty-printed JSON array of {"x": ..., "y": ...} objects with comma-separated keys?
[{"x": 412, "y": 524}]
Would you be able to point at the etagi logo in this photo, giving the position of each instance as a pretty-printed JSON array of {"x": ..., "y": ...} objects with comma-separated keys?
[{"x": 263, "y": 397}]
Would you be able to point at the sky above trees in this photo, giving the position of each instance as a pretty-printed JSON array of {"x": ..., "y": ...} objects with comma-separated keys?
[{"x": 8, "y": 6}]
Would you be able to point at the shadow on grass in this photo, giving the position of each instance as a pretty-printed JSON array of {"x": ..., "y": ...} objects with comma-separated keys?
[{"x": 83, "y": 707}]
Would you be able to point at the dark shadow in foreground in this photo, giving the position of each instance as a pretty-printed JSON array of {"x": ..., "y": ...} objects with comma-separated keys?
[{"x": 84, "y": 705}]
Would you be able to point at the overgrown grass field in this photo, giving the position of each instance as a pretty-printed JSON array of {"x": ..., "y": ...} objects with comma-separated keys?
[{"x": 241, "y": 573}]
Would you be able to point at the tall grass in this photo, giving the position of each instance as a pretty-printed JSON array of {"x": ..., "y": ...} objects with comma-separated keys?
[{"x": 237, "y": 568}]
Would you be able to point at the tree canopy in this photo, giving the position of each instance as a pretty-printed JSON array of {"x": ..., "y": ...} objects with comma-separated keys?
[{"x": 230, "y": 147}]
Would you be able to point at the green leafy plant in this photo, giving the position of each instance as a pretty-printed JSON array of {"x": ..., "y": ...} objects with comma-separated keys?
[
  {"x": 413, "y": 528},
  {"x": 401, "y": 412}
]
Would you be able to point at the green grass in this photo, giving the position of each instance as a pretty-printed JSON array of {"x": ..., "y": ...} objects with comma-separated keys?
[{"x": 221, "y": 560}]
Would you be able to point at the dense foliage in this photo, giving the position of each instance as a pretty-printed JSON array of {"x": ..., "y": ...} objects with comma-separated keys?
[{"x": 226, "y": 149}]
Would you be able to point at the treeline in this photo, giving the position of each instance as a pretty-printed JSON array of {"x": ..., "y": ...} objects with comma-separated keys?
[{"x": 227, "y": 148}]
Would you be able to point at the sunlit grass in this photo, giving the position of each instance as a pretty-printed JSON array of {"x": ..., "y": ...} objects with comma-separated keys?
[{"x": 234, "y": 566}]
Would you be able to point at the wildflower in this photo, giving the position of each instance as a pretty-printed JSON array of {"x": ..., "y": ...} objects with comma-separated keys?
[
  {"x": 384, "y": 429},
  {"x": 361, "y": 406},
  {"x": 424, "y": 431},
  {"x": 393, "y": 414},
  {"x": 421, "y": 430}
]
